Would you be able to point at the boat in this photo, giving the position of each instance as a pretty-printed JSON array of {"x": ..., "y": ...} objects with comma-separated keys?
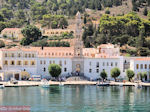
[
  {"x": 61, "y": 84},
  {"x": 45, "y": 83},
  {"x": 102, "y": 84},
  {"x": 138, "y": 85},
  {"x": 2, "y": 86}
]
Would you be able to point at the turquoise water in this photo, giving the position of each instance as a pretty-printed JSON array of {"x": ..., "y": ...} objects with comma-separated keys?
[{"x": 78, "y": 98}]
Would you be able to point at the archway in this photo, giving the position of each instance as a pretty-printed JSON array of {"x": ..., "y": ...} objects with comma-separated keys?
[
  {"x": 17, "y": 76},
  {"x": 78, "y": 68}
]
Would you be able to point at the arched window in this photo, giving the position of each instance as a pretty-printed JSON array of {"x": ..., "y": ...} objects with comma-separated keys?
[
  {"x": 137, "y": 66},
  {"x": 145, "y": 66},
  {"x": 141, "y": 66}
]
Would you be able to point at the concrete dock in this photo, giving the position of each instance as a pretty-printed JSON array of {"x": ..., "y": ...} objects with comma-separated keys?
[{"x": 38, "y": 83}]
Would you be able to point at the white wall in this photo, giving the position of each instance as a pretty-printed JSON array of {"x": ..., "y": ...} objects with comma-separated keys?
[
  {"x": 46, "y": 63},
  {"x": 93, "y": 61}
]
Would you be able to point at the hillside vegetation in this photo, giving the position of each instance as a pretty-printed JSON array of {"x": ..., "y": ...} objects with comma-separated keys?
[{"x": 118, "y": 24}]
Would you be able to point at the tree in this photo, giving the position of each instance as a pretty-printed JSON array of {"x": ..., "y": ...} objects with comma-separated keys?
[
  {"x": 31, "y": 34},
  {"x": 25, "y": 42},
  {"x": 103, "y": 75},
  {"x": 115, "y": 72},
  {"x": 144, "y": 76},
  {"x": 139, "y": 74},
  {"x": 130, "y": 74},
  {"x": 145, "y": 12},
  {"x": 148, "y": 15},
  {"x": 85, "y": 21},
  {"x": 54, "y": 70},
  {"x": 2, "y": 44},
  {"x": 107, "y": 11}
]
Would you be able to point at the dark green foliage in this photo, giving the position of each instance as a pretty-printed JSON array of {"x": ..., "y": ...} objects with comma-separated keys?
[
  {"x": 103, "y": 75},
  {"x": 59, "y": 44},
  {"x": 40, "y": 43},
  {"x": 115, "y": 72},
  {"x": 87, "y": 36},
  {"x": 142, "y": 51},
  {"x": 2, "y": 44},
  {"x": 25, "y": 42},
  {"x": 130, "y": 74},
  {"x": 107, "y": 11},
  {"x": 63, "y": 36},
  {"x": 31, "y": 34},
  {"x": 145, "y": 12},
  {"x": 54, "y": 70},
  {"x": 24, "y": 12},
  {"x": 54, "y": 21}
]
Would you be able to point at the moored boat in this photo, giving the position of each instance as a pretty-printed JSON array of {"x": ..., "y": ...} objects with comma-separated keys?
[
  {"x": 2, "y": 86},
  {"x": 45, "y": 83}
]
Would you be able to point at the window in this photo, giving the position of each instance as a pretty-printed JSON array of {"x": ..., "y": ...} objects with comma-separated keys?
[
  {"x": 53, "y": 62},
  {"x": 90, "y": 70},
  {"x": 44, "y": 69},
  {"x": 25, "y": 62},
  {"x": 32, "y": 62},
  {"x": 65, "y": 69},
  {"x": 12, "y": 55},
  {"x": 19, "y": 55},
  {"x": 25, "y": 55},
  {"x": 44, "y": 62},
  {"x": 12, "y": 63},
  {"x": 50, "y": 62},
  {"x": 65, "y": 62},
  {"x": 141, "y": 66},
  {"x": 18, "y": 62},
  {"x": 111, "y": 63},
  {"x": 97, "y": 64},
  {"x": 103, "y": 63},
  {"x": 116, "y": 64},
  {"x": 29, "y": 55},
  {"x": 41, "y": 62},
  {"x": 149, "y": 66},
  {"x": 5, "y": 62},
  {"x": 107, "y": 64},
  {"x": 145, "y": 66},
  {"x": 32, "y": 55},
  {"x": 137, "y": 66},
  {"x": 5, "y": 54},
  {"x": 60, "y": 63},
  {"x": 90, "y": 63},
  {"x": 97, "y": 70}
]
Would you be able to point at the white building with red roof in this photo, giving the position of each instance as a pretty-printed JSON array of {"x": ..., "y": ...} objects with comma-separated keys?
[{"x": 89, "y": 62}]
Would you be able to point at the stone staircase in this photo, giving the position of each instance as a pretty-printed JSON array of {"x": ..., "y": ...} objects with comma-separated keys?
[{"x": 77, "y": 78}]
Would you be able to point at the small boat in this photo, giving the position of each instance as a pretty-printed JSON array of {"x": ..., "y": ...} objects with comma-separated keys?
[
  {"x": 45, "y": 83},
  {"x": 138, "y": 85},
  {"x": 61, "y": 84},
  {"x": 102, "y": 84},
  {"x": 1, "y": 86},
  {"x": 120, "y": 85}
]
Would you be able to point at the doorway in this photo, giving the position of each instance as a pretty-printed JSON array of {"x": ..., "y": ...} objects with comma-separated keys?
[{"x": 17, "y": 76}]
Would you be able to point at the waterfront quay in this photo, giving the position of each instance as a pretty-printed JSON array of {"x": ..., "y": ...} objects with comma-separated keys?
[{"x": 38, "y": 83}]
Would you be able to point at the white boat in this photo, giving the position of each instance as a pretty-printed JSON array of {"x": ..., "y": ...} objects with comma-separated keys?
[
  {"x": 102, "y": 84},
  {"x": 45, "y": 83},
  {"x": 138, "y": 85},
  {"x": 1, "y": 86},
  {"x": 61, "y": 84}
]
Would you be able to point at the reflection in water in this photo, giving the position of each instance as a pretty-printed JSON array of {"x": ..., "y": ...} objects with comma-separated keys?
[{"x": 78, "y": 98}]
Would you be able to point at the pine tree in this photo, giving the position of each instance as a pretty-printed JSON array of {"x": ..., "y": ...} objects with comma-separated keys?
[{"x": 145, "y": 12}]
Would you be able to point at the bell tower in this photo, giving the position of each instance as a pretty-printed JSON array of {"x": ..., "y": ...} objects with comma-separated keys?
[
  {"x": 78, "y": 44},
  {"x": 78, "y": 60}
]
